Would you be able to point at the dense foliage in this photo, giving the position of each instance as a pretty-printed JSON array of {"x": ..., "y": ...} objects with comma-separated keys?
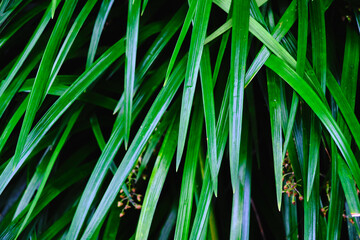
[{"x": 179, "y": 119}]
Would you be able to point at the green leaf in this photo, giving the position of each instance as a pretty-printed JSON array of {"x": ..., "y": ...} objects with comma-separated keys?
[
  {"x": 156, "y": 181},
  {"x": 188, "y": 179},
  {"x": 60, "y": 106},
  {"x": 132, "y": 31},
  {"x": 25, "y": 53},
  {"x": 185, "y": 27},
  {"x": 107, "y": 155},
  {"x": 192, "y": 69},
  {"x": 273, "y": 83},
  {"x": 239, "y": 39},
  {"x": 98, "y": 28},
  {"x": 153, "y": 117},
  {"x": 49, "y": 167},
  {"x": 42, "y": 78},
  {"x": 239, "y": 196},
  {"x": 319, "y": 108},
  {"x": 209, "y": 112},
  {"x": 319, "y": 61}
]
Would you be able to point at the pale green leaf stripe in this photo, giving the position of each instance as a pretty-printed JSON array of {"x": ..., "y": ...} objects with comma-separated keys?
[
  {"x": 188, "y": 179},
  {"x": 41, "y": 83},
  {"x": 192, "y": 69},
  {"x": 13, "y": 88},
  {"x": 318, "y": 39},
  {"x": 25, "y": 53},
  {"x": 273, "y": 83},
  {"x": 351, "y": 119},
  {"x": 336, "y": 206},
  {"x": 70, "y": 38},
  {"x": 53, "y": 7},
  {"x": 209, "y": 112},
  {"x": 156, "y": 182},
  {"x": 107, "y": 155},
  {"x": 225, "y": 4},
  {"x": 15, "y": 27},
  {"x": 98, "y": 28},
  {"x": 154, "y": 115},
  {"x": 245, "y": 228},
  {"x": 167, "y": 32},
  {"x": 12, "y": 123},
  {"x": 132, "y": 31},
  {"x": 184, "y": 29},
  {"x": 222, "y": 131},
  {"x": 49, "y": 167},
  {"x": 239, "y": 43},
  {"x": 283, "y": 26},
  {"x": 203, "y": 206},
  {"x": 322, "y": 111},
  {"x": 349, "y": 188},
  {"x": 238, "y": 200},
  {"x": 162, "y": 40},
  {"x": 60, "y": 106},
  {"x": 302, "y": 36},
  {"x": 145, "y": 2}
]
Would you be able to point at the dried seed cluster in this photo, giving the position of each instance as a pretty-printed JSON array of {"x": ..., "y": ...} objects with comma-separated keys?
[
  {"x": 130, "y": 198},
  {"x": 291, "y": 186}
]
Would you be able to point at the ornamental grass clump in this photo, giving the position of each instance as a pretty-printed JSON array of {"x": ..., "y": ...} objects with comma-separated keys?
[{"x": 192, "y": 119}]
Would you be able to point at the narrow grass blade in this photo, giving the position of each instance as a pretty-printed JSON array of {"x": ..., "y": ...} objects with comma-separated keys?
[
  {"x": 195, "y": 52},
  {"x": 238, "y": 201},
  {"x": 302, "y": 36},
  {"x": 203, "y": 206},
  {"x": 154, "y": 51},
  {"x": 161, "y": 41},
  {"x": 36, "y": 179},
  {"x": 349, "y": 188},
  {"x": 183, "y": 32},
  {"x": 52, "y": 190},
  {"x": 222, "y": 131},
  {"x": 209, "y": 112},
  {"x": 20, "y": 22},
  {"x": 113, "y": 222},
  {"x": 108, "y": 154},
  {"x": 239, "y": 39},
  {"x": 357, "y": 18},
  {"x": 352, "y": 224},
  {"x": 145, "y": 2},
  {"x": 319, "y": 61},
  {"x": 58, "y": 226},
  {"x": 156, "y": 181},
  {"x": 60, "y": 106},
  {"x": 25, "y": 53},
  {"x": 312, "y": 209},
  {"x": 49, "y": 167},
  {"x": 12, "y": 123},
  {"x": 283, "y": 26},
  {"x": 289, "y": 212},
  {"x": 98, "y": 28},
  {"x": 245, "y": 228},
  {"x": 154, "y": 115},
  {"x": 188, "y": 179},
  {"x": 319, "y": 108},
  {"x": 132, "y": 31},
  {"x": 336, "y": 207},
  {"x": 349, "y": 79},
  {"x": 273, "y": 84},
  {"x": 42, "y": 78}
]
